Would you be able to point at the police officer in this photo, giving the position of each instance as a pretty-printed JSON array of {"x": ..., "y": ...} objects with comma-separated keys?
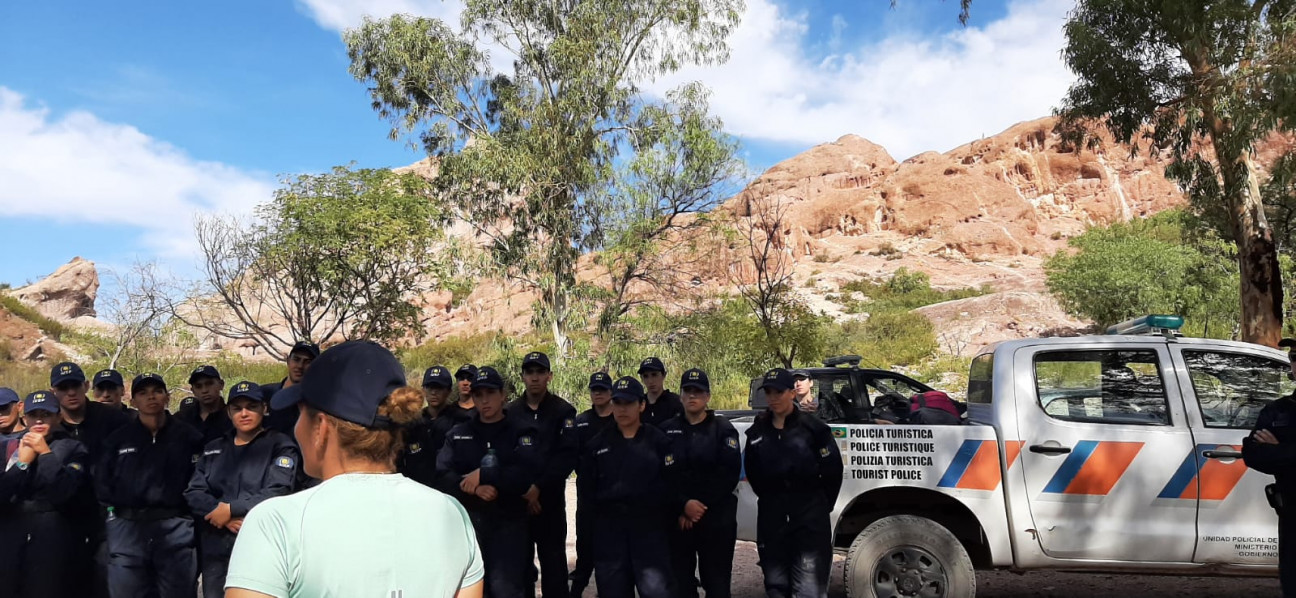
[
  {"x": 662, "y": 404},
  {"x": 630, "y": 469},
  {"x": 488, "y": 463},
  {"x": 589, "y": 424},
  {"x": 141, "y": 478},
  {"x": 554, "y": 419},
  {"x": 110, "y": 389},
  {"x": 707, "y": 462},
  {"x": 40, "y": 537},
  {"x": 795, "y": 469},
  {"x": 461, "y": 409},
  {"x": 299, "y": 360},
  {"x": 425, "y": 437},
  {"x": 1271, "y": 449},
  {"x": 234, "y": 474},
  {"x": 10, "y": 413},
  {"x": 90, "y": 423},
  {"x": 207, "y": 412}
]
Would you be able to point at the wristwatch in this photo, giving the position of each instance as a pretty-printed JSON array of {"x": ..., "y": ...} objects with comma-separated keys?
[{"x": 20, "y": 465}]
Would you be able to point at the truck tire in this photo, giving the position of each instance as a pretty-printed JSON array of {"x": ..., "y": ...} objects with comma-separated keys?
[{"x": 904, "y": 556}]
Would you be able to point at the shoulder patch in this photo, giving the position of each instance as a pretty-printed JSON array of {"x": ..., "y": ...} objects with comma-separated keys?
[
  {"x": 569, "y": 423},
  {"x": 824, "y": 452},
  {"x": 75, "y": 466},
  {"x": 414, "y": 448},
  {"x": 731, "y": 442},
  {"x": 670, "y": 459},
  {"x": 525, "y": 440},
  {"x": 284, "y": 462}
]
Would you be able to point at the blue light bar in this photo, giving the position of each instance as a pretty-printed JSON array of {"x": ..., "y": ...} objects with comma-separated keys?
[{"x": 1151, "y": 324}]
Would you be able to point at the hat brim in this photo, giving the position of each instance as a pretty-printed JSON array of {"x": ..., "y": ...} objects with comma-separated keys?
[
  {"x": 249, "y": 396},
  {"x": 696, "y": 386},
  {"x": 286, "y": 398},
  {"x": 776, "y": 387},
  {"x": 486, "y": 386},
  {"x": 109, "y": 382},
  {"x": 136, "y": 387},
  {"x": 196, "y": 377},
  {"x": 67, "y": 378},
  {"x": 646, "y": 370},
  {"x": 623, "y": 398},
  {"x": 40, "y": 409},
  {"x": 600, "y": 387},
  {"x": 535, "y": 363}
]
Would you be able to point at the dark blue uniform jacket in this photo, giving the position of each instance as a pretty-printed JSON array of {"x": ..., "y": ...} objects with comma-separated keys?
[
  {"x": 138, "y": 470},
  {"x": 707, "y": 458},
  {"x": 514, "y": 443},
  {"x": 242, "y": 476},
  {"x": 555, "y": 421}
]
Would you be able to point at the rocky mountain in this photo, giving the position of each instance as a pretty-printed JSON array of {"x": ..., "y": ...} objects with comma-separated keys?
[{"x": 987, "y": 213}]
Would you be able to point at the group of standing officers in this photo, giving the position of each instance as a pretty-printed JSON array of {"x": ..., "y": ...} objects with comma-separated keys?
[
  {"x": 656, "y": 474},
  {"x": 98, "y": 498},
  {"x": 101, "y": 499}
]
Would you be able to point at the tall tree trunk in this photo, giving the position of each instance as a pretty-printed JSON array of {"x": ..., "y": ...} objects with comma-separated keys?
[{"x": 1261, "y": 289}]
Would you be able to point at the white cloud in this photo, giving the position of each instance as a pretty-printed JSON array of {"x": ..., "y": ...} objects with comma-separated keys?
[
  {"x": 79, "y": 169},
  {"x": 341, "y": 14},
  {"x": 907, "y": 92}
]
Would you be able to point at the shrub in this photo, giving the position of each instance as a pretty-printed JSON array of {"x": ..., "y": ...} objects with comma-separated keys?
[{"x": 16, "y": 307}]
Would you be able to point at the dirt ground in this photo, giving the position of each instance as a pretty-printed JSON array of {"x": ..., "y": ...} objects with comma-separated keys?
[{"x": 998, "y": 584}]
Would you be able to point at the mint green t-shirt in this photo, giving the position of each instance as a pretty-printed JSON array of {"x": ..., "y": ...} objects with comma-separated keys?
[{"x": 356, "y": 536}]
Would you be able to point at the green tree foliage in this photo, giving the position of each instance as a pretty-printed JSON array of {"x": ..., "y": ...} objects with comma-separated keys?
[
  {"x": 1205, "y": 82},
  {"x": 1170, "y": 263},
  {"x": 648, "y": 219},
  {"x": 342, "y": 253},
  {"x": 903, "y": 291},
  {"x": 523, "y": 154}
]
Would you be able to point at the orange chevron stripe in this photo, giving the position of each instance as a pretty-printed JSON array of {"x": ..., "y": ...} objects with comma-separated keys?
[
  {"x": 983, "y": 471},
  {"x": 1104, "y": 468}
]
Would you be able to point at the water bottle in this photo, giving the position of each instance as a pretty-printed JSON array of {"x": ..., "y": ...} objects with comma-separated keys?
[{"x": 489, "y": 463}]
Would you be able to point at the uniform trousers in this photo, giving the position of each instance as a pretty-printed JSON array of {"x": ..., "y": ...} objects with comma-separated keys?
[
  {"x": 708, "y": 547},
  {"x": 632, "y": 552},
  {"x": 152, "y": 557},
  {"x": 41, "y": 555},
  {"x": 794, "y": 542}
]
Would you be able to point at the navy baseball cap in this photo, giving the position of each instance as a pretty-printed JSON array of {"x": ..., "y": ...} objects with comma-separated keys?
[
  {"x": 204, "y": 371},
  {"x": 628, "y": 390},
  {"x": 487, "y": 377},
  {"x": 652, "y": 364},
  {"x": 66, "y": 372},
  {"x": 41, "y": 400},
  {"x": 800, "y": 373},
  {"x": 112, "y": 377},
  {"x": 535, "y": 358},
  {"x": 8, "y": 396},
  {"x": 306, "y": 347},
  {"x": 600, "y": 381},
  {"x": 143, "y": 380},
  {"x": 695, "y": 378},
  {"x": 285, "y": 398},
  {"x": 438, "y": 377},
  {"x": 778, "y": 379},
  {"x": 247, "y": 390},
  {"x": 349, "y": 381},
  {"x": 467, "y": 371}
]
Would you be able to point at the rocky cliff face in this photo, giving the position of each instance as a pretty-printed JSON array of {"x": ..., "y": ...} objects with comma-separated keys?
[
  {"x": 67, "y": 294},
  {"x": 986, "y": 213}
]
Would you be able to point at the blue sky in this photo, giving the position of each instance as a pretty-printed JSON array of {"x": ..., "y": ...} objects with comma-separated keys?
[{"x": 121, "y": 121}]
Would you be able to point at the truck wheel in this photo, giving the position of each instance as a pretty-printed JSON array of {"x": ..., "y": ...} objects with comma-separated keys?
[{"x": 904, "y": 556}]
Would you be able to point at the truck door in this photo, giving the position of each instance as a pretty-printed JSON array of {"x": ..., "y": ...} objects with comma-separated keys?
[
  {"x": 1098, "y": 425},
  {"x": 1225, "y": 391}
]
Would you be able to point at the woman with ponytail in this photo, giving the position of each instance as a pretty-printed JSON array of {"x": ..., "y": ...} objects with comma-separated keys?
[{"x": 364, "y": 530}]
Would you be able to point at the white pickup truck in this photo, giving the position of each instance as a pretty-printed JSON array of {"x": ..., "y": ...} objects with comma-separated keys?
[{"x": 1114, "y": 453}]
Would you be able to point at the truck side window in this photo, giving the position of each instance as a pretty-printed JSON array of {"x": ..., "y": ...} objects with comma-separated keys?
[
  {"x": 1232, "y": 388},
  {"x": 980, "y": 380},
  {"x": 1102, "y": 386}
]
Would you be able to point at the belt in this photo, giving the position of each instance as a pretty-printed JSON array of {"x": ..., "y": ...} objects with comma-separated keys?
[
  {"x": 35, "y": 506},
  {"x": 150, "y": 513}
]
